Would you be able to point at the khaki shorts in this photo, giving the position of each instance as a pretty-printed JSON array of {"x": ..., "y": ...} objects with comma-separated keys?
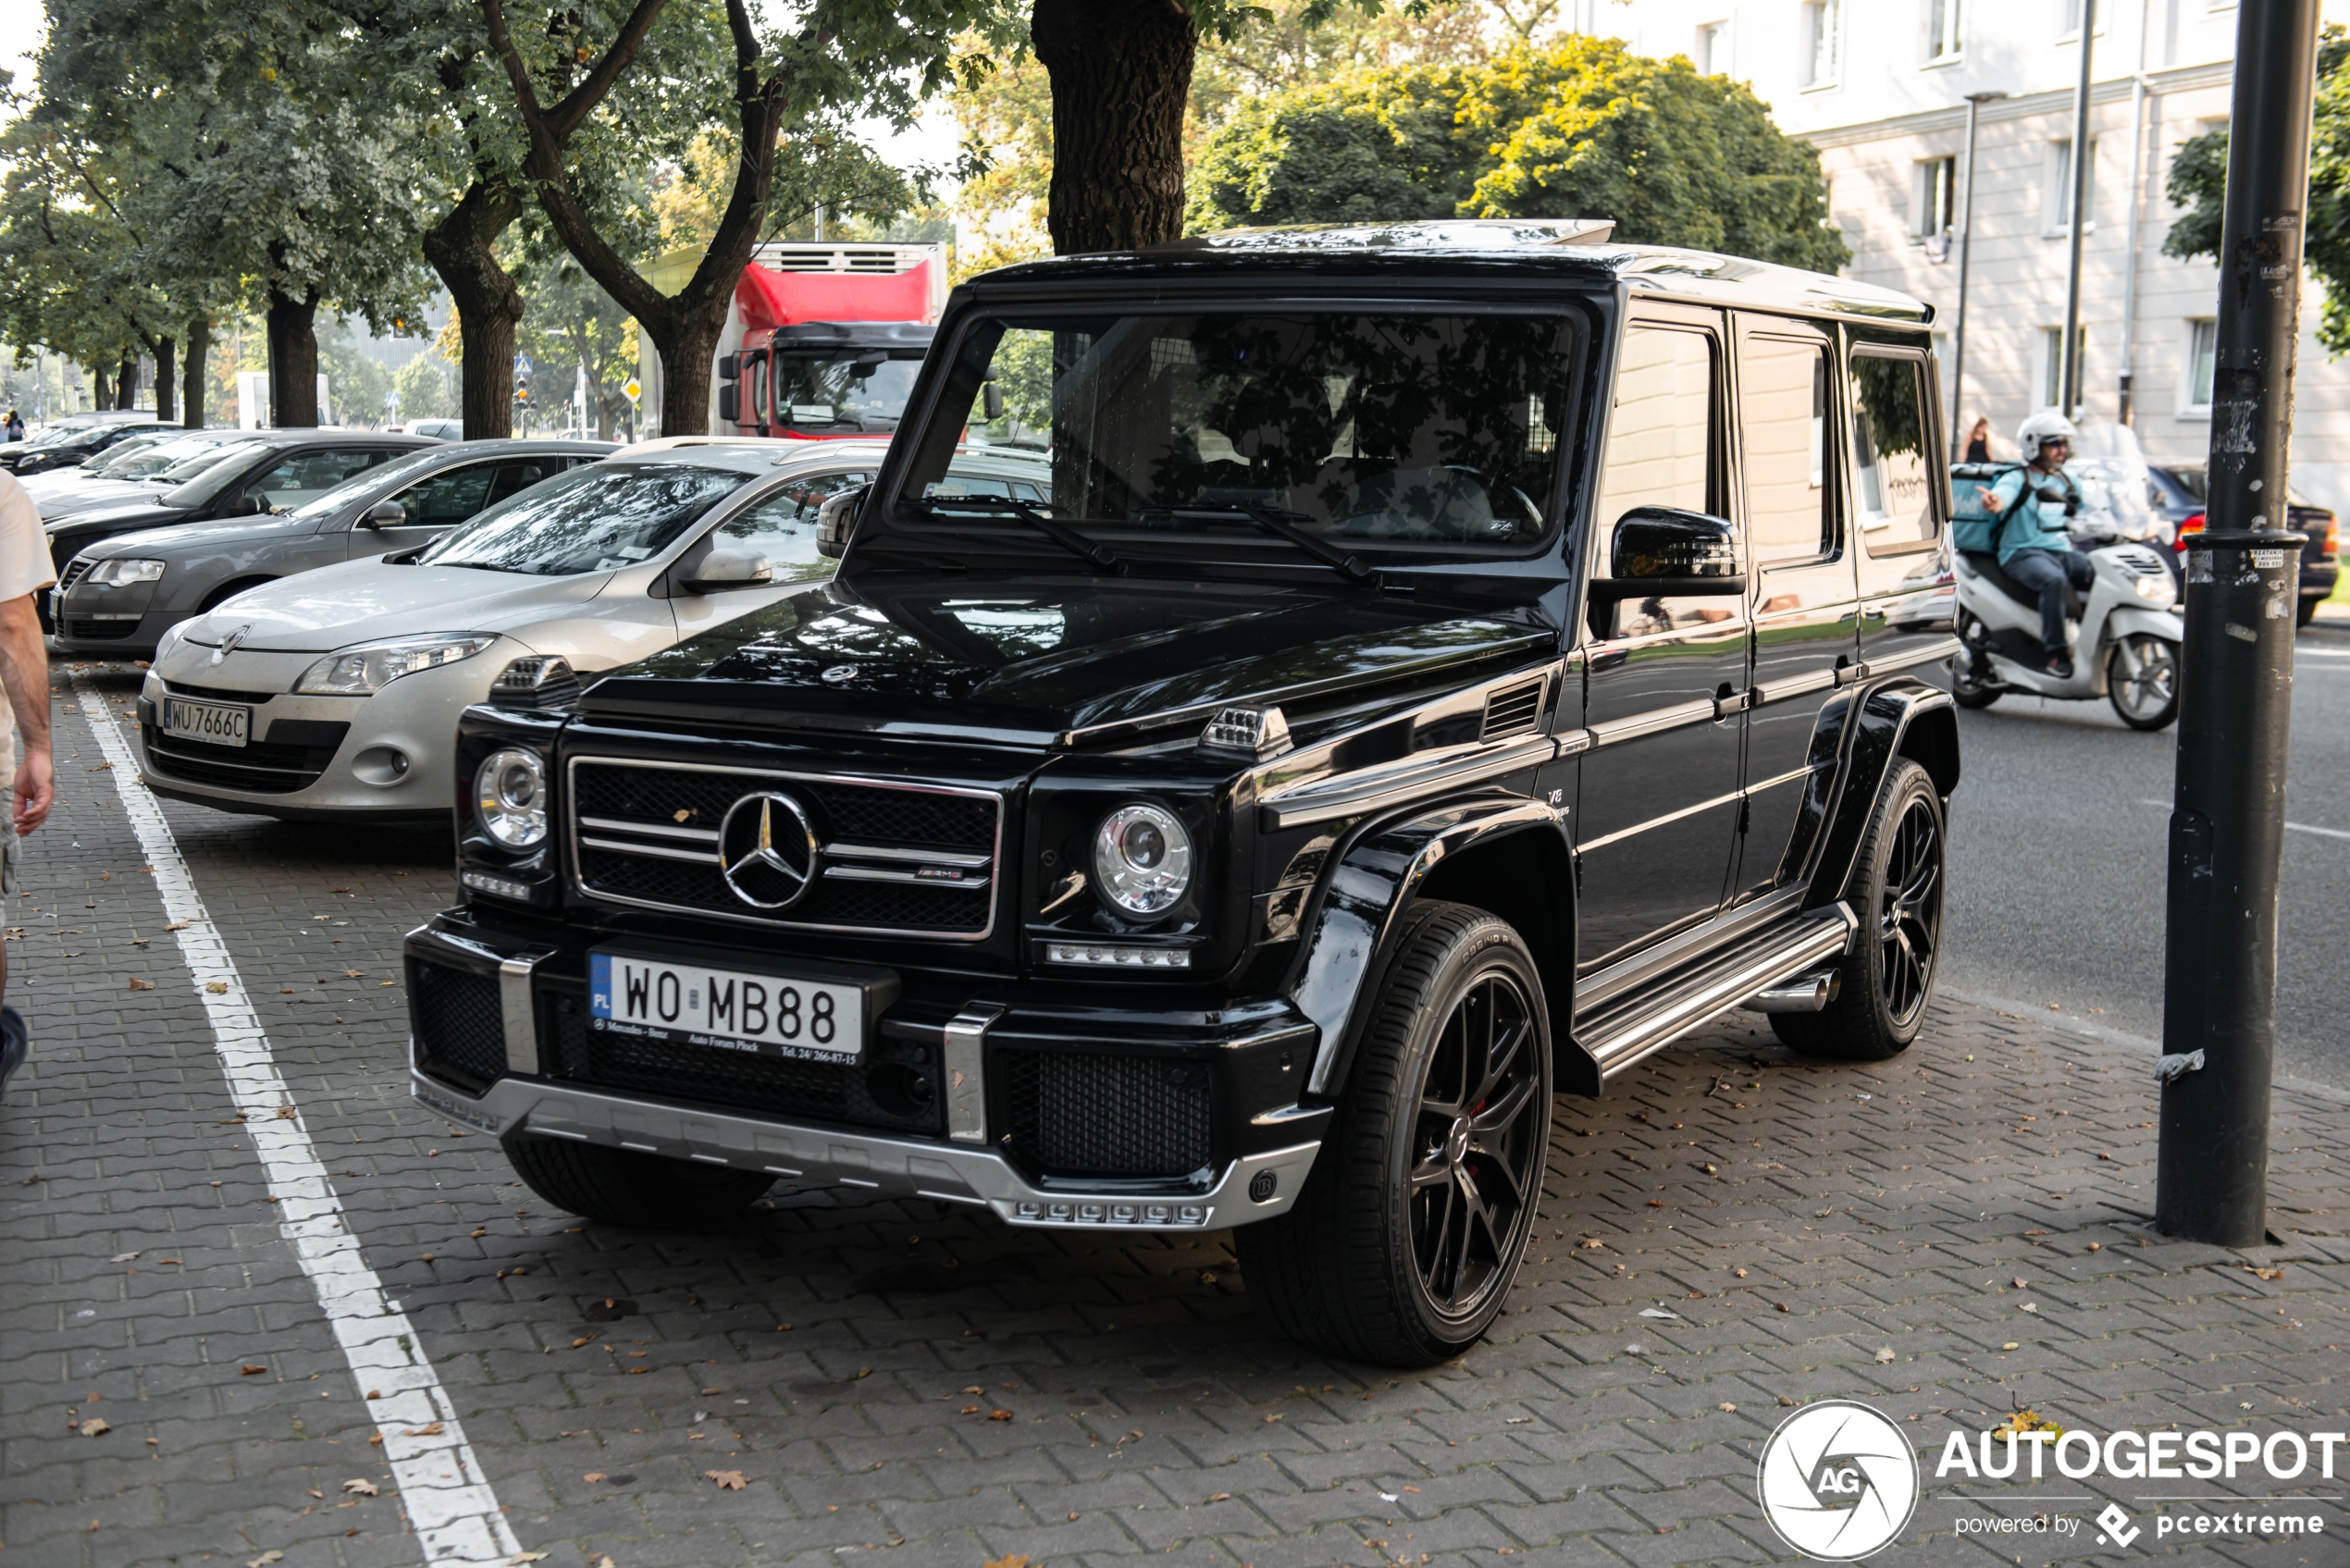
[{"x": 8, "y": 852}]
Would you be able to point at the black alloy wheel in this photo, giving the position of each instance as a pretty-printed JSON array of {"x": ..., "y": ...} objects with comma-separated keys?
[
  {"x": 1897, "y": 891},
  {"x": 1401, "y": 1246}
]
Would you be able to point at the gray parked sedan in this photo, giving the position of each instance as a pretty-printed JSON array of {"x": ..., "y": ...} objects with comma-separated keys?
[{"x": 131, "y": 588}]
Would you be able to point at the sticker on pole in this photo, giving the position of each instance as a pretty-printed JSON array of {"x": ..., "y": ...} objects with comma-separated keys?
[
  {"x": 2268, "y": 560},
  {"x": 1837, "y": 1481},
  {"x": 633, "y": 388}
]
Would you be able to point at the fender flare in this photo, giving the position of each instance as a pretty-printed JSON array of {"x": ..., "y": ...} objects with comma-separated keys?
[
  {"x": 1357, "y": 919},
  {"x": 1879, "y": 733}
]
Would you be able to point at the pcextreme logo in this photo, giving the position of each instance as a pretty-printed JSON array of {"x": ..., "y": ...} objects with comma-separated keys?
[{"x": 1837, "y": 1481}]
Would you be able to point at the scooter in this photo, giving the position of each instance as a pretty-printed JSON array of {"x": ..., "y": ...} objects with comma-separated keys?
[{"x": 2125, "y": 635}]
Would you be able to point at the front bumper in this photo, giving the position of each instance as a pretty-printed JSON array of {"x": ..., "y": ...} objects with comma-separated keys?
[{"x": 499, "y": 1044}]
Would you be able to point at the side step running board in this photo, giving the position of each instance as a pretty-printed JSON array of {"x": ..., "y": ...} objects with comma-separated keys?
[{"x": 1634, "y": 1027}]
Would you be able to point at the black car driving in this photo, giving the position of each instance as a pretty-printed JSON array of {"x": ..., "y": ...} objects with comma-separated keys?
[{"x": 1454, "y": 662}]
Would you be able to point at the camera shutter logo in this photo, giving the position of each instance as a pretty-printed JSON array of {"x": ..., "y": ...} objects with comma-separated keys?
[
  {"x": 768, "y": 852},
  {"x": 2117, "y": 1524},
  {"x": 1837, "y": 1481}
]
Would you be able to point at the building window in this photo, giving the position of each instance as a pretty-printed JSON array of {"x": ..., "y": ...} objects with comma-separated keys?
[
  {"x": 1942, "y": 30},
  {"x": 2203, "y": 361},
  {"x": 2052, "y": 364},
  {"x": 1713, "y": 48},
  {"x": 2059, "y": 201},
  {"x": 1933, "y": 198},
  {"x": 2072, "y": 16},
  {"x": 1822, "y": 42}
]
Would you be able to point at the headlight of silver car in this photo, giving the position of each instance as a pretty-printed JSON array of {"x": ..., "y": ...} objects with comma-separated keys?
[
  {"x": 510, "y": 791},
  {"x": 1142, "y": 859},
  {"x": 120, "y": 574},
  {"x": 368, "y": 667}
]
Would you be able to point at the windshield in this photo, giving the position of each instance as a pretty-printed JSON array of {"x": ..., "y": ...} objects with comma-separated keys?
[
  {"x": 115, "y": 459},
  {"x": 155, "y": 460},
  {"x": 599, "y": 518},
  {"x": 841, "y": 391},
  {"x": 1408, "y": 430},
  {"x": 205, "y": 475},
  {"x": 357, "y": 485}
]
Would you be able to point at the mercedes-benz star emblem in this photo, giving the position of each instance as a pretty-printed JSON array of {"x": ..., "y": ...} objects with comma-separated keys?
[
  {"x": 839, "y": 675},
  {"x": 768, "y": 852},
  {"x": 228, "y": 644}
]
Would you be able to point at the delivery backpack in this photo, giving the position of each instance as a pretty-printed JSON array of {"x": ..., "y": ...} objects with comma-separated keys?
[{"x": 1974, "y": 528}]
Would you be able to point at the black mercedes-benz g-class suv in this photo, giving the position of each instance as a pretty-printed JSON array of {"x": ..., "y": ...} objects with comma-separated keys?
[{"x": 1453, "y": 661}]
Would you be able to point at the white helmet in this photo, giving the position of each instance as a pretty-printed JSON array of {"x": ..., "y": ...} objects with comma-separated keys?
[{"x": 2048, "y": 424}]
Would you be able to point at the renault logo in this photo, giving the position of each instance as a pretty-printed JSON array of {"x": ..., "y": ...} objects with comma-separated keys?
[
  {"x": 228, "y": 644},
  {"x": 768, "y": 852}
]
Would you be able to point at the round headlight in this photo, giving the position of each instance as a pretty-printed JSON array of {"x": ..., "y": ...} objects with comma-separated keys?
[
  {"x": 1142, "y": 859},
  {"x": 510, "y": 791}
]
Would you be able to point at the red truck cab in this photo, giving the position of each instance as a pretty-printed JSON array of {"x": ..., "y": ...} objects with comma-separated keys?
[{"x": 827, "y": 339}]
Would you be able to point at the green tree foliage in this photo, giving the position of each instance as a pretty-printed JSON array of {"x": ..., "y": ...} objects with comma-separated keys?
[
  {"x": 1582, "y": 127},
  {"x": 2198, "y": 185},
  {"x": 428, "y": 388}
]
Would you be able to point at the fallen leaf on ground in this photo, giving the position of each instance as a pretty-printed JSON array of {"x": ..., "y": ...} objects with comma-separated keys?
[
  {"x": 970, "y": 1410},
  {"x": 2010, "y": 1345},
  {"x": 728, "y": 1480},
  {"x": 1590, "y": 1243},
  {"x": 431, "y": 1431},
  {"x": 359, "y": 1485},
  {"x": 317, "y": 1493},
  {"x": 604, "y": 1562},
  {"x": 593, "y": 1477},
  {"x": 123, "y": 1257},
  {"x": 1726, "y": 1408},
  {"x": 137, "y": 984},
  {"x": 263, "y": 1561},
  {"x": 217, "y": 987},
  {"x": 92, "y": 1425},
  {"x": 2262, "y": 1273},
  {"x": 287, "y": 1113},
  {"x": 249, "y": 1370},
  {"x": 2025, "y": 1421},
  {"x": 521, "y": 1556},
  {"x": 999, "y": 1415},
  {"x": 177, "y": 925},
  {"x": 1010, "y": 1560},
  {"x": 1884, "y": 1354},
  {"x": 1221, "y": 1496},
  {"x": 355, "y": 974}
]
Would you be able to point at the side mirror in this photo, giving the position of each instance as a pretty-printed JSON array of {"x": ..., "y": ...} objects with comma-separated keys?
[
  {"x": 1662, "y": 550},
  {"x": 244, "y": 506},
  {"x": 730, "y": 367},
  {"x": 383, "y": 514},
  {"x": 991, "y": 401},
  {"x": 729, "y": 404},
  {"x": 835, "y": 517},
  {"x": 723, "y": 568}
]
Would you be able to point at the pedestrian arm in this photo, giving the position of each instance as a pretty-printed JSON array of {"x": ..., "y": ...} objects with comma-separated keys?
[{"x": 24, "y": 671}]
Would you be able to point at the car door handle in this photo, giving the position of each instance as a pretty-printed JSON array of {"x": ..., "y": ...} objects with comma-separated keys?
[{"x": 1726, "y": 702}]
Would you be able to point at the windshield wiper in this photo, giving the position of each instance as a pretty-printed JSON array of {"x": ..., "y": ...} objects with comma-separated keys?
[
  {"x": 1060, "y": 534},
  {"x": 1344, "y": 562}
]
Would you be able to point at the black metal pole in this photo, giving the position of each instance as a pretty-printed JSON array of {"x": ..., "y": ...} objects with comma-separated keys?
[
  {"x": 2076, "y": 204},
  {"x": 2227, "y": 818}
]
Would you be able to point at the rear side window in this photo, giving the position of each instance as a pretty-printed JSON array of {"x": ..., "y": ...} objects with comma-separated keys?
[
  {"x": 1889, "y": 480},
  {"x": 1664, "y": 449},
  {"x": 1783, "y": 419},
  {"x": 451, "y": 497},
  {"x": 304, "y": 476}
]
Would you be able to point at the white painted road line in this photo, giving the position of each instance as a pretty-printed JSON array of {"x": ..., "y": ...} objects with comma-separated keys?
[{"x": 448, "y": 1502}]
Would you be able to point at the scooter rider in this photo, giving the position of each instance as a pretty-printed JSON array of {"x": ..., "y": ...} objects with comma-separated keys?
[{"x": 2035, "y": 535}]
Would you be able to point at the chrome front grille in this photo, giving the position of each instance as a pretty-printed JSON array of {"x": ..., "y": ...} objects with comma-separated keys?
[{"x": 887, "y": 858}]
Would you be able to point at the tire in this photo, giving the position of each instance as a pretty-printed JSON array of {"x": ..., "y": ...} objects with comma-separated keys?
[
  {"x": 641, "y": 1192},
  {"x": 2307, "y": 612},
  {"x": 1897, "y": 890},
  {"x": 1436, "y": 1130},
  {"x": 2142, "y": 681}
]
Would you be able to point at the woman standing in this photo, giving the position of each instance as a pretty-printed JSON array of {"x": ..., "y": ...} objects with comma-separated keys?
[{"x": 1978, "y": 442}]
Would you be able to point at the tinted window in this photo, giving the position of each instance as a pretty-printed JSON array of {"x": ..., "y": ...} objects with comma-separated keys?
[
  {"x": 1664, "y": 449},
  {"x": 783, "y": 523},
  {"x": 449, "y": 498},
  {"x": 514, "y": 477},
  {"x": 1895, "y": 501},
  {"x": 1783, "y": 419},
  {"x": 598, "y": 518},
  {"x": 304, "y": 476},
  {"x": 1409, "y": 429}
]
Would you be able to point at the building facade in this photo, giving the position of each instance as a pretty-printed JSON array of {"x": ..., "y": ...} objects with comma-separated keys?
[{"x": 1881, "y": 88}]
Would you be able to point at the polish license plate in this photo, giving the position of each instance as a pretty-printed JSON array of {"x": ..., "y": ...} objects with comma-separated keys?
[
  {"x": 768, "y": 1015},
  {"x": 213, "y": 722}
]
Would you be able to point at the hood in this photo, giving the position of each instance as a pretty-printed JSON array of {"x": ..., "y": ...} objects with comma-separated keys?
[
  {"x": 205, "y": 536},
  {"x": 150, "y": 511},
  {"x": 355, "y": 602},
  {"x": 1056, "y": 661},
  {"x": 72, "y": 487}
]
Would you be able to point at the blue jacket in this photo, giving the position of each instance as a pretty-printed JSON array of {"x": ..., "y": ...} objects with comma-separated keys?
[{"x": 2038, "y": 523}]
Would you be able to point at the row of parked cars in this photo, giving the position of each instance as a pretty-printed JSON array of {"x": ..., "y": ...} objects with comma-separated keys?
[{"x": 319, "y": 606}]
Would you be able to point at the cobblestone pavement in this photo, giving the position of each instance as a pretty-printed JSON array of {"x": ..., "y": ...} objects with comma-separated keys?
[{"x": 1947, "y": 1237}]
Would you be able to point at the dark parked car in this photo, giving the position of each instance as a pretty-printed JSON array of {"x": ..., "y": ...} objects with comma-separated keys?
[
  {"x": 132, "y": 588},
  {"x": 72, "y": 442},
  {"x": 277, "y": 471},
  {"x": 2181, "y": 494},
  {"x": 1453, "y": 661}
]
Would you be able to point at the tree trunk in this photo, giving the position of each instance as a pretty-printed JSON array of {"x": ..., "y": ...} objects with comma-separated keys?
[
  {"x": 488, "y": 306},
  {"x": 293, "y": 360},
  {"x": 126, "y": 386},
  {"x": 166, "y": 371},
  {"x": 192, "y": 385},
  {"x": 101, "y": 388},
  {"x": 1121, "y": 74},
  {"x": 687, "y": 344}
]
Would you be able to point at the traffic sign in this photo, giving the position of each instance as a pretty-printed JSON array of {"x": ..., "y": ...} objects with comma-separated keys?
[
  {"x": 634, "y": 388},
  {"x": 521, "y": 365}
]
